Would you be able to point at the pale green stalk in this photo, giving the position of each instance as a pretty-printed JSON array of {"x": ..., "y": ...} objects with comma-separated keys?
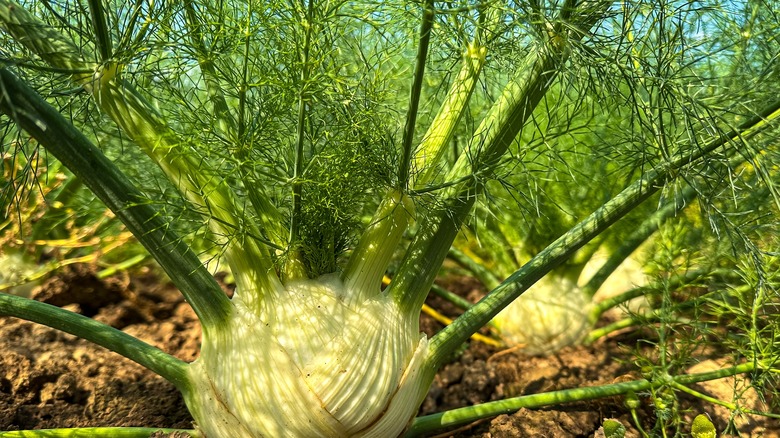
[
  {"x": 433, "y": 145},
  {"x": 376, "y": 247},
  {"x": 226, "y": 123},
  {"x": 430, "y": 152}
]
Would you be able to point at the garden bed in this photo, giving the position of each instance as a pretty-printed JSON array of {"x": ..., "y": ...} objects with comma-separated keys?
[{"x": 49, "y": 379}]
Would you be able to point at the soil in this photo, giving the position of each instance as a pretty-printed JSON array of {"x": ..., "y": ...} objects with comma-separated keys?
[{"x": 49, "y": 379}]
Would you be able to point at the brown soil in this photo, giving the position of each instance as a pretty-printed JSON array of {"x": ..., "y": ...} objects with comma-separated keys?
[{"x": 49, "y": 379}]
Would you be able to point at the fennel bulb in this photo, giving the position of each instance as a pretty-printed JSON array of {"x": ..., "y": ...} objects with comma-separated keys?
[
  {"x": 551, "y": 314},
  {"x": 318, "y": 364},
  {"x": 556, "y": 311},
  {"x": 628, "y": 275}
]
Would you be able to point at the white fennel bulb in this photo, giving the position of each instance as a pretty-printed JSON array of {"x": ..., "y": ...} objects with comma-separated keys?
[
  {"x": 550, "y": 315},
  {"x": 555, "y": 312},
  {"x": 628, "y": 275},
  {"x": 318, "y": 363}
]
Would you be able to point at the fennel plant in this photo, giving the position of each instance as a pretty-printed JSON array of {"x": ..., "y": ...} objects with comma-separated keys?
[
  {"x": 571, "y": 164},
  {"x": 614, "y": 268},
  {"x": 279, "y": 124}
]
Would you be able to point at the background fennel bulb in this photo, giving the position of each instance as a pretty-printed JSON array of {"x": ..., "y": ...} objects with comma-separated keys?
[
  {"x": 550, "y": 315},
  {"x": 556, "y": 311}
]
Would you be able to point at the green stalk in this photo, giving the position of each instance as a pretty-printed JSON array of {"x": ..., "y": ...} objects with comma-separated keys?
[
  {"x": 483, "y": 274},
  {"x": 631, "y": 321},
  {"x": 425, "y": 255},
  {"x": 182, "y": 165},
  {"x": 244, "y": 87},
  {"x": 89, "y": 164},
  {"x": 549, "y": 258},
  {"x": 645, "y": 230},
  {"x": 124, "y": 41},
  {"x": 509, "y": 114},
  {"x": 557, "y": 252},
  {"x": 159, "y": 362},
  {"x": 457, "y": 417},
  {"x": 88, "y": 432},
  {"x": 673, "y": 283},
  {"x": 270, "y": 217},
  {"x": 139, "y": 119},
  {"x": 642, "y": 320},
  {"x": 733, "y": 407},
  {"x": 100, "y": 24},
  {"x": 439, "y": 229},
  {"x": 523, "y": 92},
  {"x": 648, "y": 227},
  {"x": 712, "y": 400},
  {"x": 457, "y": 300},
  {"x": 121, "y": 266},
  {"x": 451, "y": 297},
  {"x": 300, "y": 138},
  {"x": 610, "y": 303},
  {"x": 414, "y": 97}
]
